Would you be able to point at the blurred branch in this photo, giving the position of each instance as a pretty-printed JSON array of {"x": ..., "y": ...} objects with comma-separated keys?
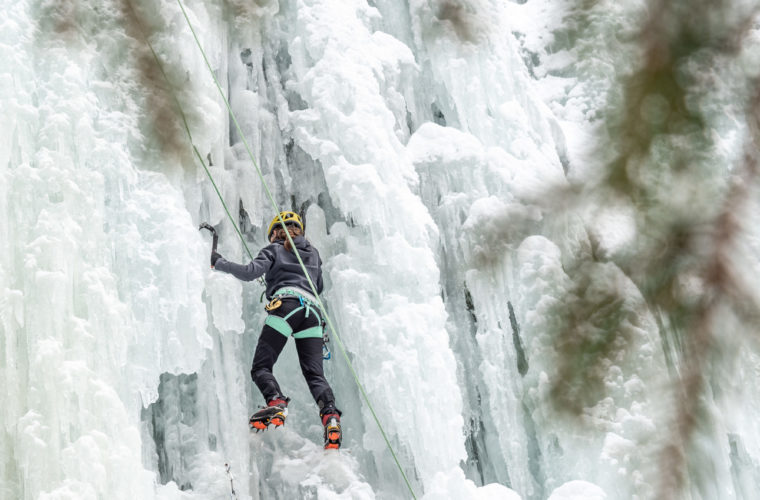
[
  {"x": 688, "y": 204},
  {"x": 723, "y": 289}
]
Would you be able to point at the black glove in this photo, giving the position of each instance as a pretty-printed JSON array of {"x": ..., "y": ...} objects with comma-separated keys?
[{"x": 214, "y": 257}]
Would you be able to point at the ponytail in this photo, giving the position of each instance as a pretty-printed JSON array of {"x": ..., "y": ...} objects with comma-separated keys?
[{"x": 294, "y": 231}]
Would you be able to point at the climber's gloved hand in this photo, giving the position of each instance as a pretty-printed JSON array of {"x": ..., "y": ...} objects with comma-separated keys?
[{"x": 214, "y": 257}]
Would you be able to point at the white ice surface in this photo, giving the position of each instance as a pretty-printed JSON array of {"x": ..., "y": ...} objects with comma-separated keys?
[{"x": 424, "y": 139}]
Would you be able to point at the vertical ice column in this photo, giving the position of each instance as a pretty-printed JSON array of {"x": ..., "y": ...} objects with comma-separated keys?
[
  {"x": 69, "y": 431},
  {"x": 484, "y": 184},
  {"x": 385, "y": 295},
  {"x": 199, "y": 422},
  {"x": 101, "y": 287},
  {"x": 480, "y": 198},
  {"x": 478, "y": 80}
]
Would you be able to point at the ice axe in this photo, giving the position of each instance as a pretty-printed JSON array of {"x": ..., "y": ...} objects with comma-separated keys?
[{"x": 208, "y": 226}]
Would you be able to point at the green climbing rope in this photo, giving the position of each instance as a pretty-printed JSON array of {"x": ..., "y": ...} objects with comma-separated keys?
[{"x": 277, "y": 210}]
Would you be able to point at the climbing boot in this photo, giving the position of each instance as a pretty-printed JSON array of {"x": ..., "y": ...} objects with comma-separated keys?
[
  {"x": 275, "y": 413},
  {"x": 333, "y": 434}
]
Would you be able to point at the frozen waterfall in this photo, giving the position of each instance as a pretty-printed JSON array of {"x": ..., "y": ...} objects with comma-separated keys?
[{"x": 423, "y": 141}]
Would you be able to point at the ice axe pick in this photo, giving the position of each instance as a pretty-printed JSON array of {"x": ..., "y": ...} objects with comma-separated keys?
[{"x": 208, "y": 226}]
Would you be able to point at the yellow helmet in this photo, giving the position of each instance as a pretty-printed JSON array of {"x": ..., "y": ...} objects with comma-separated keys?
[{"x": 287, "y": 217}]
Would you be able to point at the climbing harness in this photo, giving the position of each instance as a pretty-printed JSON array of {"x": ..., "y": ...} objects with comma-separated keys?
[
  {"x": 307, "y": 303},
  {"x": 302, "y": 295},
  {"x": 280, "y": 218}
]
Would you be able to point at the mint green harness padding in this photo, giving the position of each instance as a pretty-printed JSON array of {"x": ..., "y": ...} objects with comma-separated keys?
[
  {"x": 282, "y": 326},
  {"x": 279, "y": 324},
  {"x": 315, "y": 332}
]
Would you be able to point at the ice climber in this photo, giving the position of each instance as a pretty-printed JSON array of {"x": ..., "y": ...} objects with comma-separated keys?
[{"x": 292, "y": 310}]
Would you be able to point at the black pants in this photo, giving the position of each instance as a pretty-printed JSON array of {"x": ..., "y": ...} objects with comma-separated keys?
[{"x": 271, "y": 343}]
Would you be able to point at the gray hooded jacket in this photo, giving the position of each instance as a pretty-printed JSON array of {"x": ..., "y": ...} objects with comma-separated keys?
[{"x": 280, "y": 266}]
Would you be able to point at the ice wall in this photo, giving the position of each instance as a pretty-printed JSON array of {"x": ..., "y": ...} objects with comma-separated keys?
[
  {"x": 491, "y": 192},
  {"x": 421, "y": 139}
]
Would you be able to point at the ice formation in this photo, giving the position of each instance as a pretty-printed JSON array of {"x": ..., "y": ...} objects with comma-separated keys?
[{"x": 420, "y": 139}]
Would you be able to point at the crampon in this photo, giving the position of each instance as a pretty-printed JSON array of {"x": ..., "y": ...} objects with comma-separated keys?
[
  {"x": 274, "y": 413},
  {"x": 333, "y": 434}
]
